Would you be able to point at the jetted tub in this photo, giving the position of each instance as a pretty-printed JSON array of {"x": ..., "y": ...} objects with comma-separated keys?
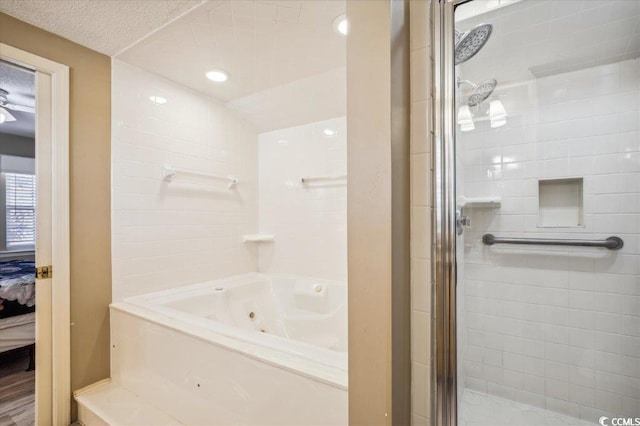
[{"x": 252, "y": 349}]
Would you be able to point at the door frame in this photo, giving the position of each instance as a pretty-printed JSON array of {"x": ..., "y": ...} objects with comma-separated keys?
[
  {"x": 53, "y": 379},
  {"x": 444, "y": 398}
]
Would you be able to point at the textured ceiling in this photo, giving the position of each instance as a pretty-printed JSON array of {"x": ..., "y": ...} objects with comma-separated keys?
[
  {"x": 261, "y": 44},
  {"x": 21, "y": 87},
  {"x": 107, "y": 26}
]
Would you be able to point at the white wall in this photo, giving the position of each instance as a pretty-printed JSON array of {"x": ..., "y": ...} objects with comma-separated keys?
[
  {"x": 17, "y": 145},
  {"x": 13, "y": 164},
  {"x": 309, "y": 221},
  {"x": 557, "y": 327},
  {"x": 171, "y": 234}
]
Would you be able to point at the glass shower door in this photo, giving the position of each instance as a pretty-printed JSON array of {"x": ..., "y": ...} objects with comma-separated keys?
[{"x": 547, "y": 182}]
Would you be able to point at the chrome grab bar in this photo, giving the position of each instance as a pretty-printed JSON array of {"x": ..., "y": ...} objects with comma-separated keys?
[{"x": 611, "y": 243}]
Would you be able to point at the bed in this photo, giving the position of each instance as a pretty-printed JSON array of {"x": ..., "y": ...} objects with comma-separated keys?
[{"x": 17, "y": 306}]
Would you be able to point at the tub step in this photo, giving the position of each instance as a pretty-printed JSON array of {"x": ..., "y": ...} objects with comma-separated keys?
[{"x": 106, "y": 403}]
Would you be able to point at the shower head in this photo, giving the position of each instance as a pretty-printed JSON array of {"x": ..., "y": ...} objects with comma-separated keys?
[
  {"x": 470, "y": 43},
  {"x": 482, "y": 91}
]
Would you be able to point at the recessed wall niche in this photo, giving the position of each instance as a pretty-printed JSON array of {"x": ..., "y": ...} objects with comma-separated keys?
[{"x": 560, "y": 203}]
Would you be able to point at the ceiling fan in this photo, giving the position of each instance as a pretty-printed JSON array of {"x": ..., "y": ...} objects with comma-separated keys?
[{"x": 5, "y": 115}]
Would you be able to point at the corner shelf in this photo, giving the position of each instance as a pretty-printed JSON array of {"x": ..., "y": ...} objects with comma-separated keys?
[{"x": 258, "y": 238}]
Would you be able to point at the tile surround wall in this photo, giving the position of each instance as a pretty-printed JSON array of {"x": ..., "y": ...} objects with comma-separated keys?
[
  {"x": 309, "y": 220},
  {"x": 421, "y": 137},
  {"x": 555, "y": 327},
  {"x": 170, "y": 234},
  {"x": 167, "y": 234}
]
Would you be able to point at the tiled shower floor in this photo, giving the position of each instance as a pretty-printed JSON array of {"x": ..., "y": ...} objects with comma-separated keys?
[{"x": 478, "y": 409}]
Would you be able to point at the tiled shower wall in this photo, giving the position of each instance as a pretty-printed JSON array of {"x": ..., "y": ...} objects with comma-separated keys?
[
  {"x": 421, "y": 135},
  {"x": 309, "y": 220},
  {"x": 167, "y": 234},
  {"x": 555, "y": 327}
]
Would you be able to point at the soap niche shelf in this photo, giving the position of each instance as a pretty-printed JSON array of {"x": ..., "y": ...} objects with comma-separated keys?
[{"x": 561, "y": 203}]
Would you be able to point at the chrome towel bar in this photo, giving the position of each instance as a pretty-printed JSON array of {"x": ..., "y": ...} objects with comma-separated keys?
[
  {"x": 309, "y": 179},
  {"x": 611, "y": 243},
  {"x": 168, "y": 172}
]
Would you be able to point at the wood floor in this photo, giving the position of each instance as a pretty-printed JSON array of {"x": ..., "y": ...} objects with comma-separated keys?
[{"x": 17, "y": 392}]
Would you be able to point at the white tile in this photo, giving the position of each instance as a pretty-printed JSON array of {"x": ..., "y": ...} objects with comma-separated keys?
[
  {"x": 420, "y": 179},
  {"x": 421, "y": 232},
  {"x": 153, "y": 218},
  {"x": 562, "y": 406},
  {"x": 420, "y": 332},
  {"x": 534, "y": 384},
  {"x": 417, "y": 420},
  {"x": 420, "y": 28},
  {"x": 420, "y": 64},
  {"x": 421, "y": 126},
  {"x": 582, "y": 376},
  {"x": 513, "y": 379},
  {"x": 583, "y": 300},
  {"x": 609, "y": 401},
  {"x": 609, "y": 382},
  {"x": 582, "y": 395},
  {"x": 557, "y": 389},
  {"x": 419, "y": 389},
  {"x": 300, "y": 214},
  {"x": 421, "y": 285}
]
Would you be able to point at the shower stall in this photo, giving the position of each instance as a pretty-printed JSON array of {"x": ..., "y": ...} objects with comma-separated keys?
[{"x": 536, "y": 217}]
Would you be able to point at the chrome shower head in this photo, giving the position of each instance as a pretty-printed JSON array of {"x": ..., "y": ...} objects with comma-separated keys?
[
  {"x": 482, "y": 91},
  {"x": 470, "y": 43},
  {"x": 458, "y": 36}
]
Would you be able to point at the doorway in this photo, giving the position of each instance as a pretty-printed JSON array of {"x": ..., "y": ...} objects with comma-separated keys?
[
  {"x": 35, "y": 228},
  {"x": 17, "y": 244}
]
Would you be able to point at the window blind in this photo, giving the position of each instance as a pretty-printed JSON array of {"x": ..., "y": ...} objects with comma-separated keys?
[{"x": 21, "y": 209}]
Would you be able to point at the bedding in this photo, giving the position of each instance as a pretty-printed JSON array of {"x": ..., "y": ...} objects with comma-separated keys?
[
  {"x": 17, "y": 283},
  {"x": 17, "y": 287},
  {"x": 17, "y": 331},
  {"x": 17, "y": 305}
]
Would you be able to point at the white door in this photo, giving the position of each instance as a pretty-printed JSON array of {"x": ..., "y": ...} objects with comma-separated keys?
[{"x": 44, "y": 407}]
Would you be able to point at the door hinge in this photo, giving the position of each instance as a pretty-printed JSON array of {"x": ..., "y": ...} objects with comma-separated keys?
[{"x": 44, "y": 272}]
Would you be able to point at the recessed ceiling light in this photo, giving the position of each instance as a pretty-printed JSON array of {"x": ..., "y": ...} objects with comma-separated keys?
[
  {"x": 218, "y": 76},
  {"x": 329, "y": 132},
  {"x": 158, "y": 99},
  {"x": 341, "y": 25}
]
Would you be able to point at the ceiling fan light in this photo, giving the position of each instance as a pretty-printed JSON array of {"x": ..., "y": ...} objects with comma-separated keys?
[{"x": 5, "y": 116}]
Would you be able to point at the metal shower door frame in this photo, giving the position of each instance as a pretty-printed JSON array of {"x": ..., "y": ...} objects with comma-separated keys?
[{"x": 444, "y": 344}]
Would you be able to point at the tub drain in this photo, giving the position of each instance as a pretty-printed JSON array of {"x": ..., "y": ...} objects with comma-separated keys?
[{"x": 252, "y": 315}]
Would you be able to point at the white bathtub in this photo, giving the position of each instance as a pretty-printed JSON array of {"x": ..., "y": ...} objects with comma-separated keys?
[{"x": 250, "y": 349}]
